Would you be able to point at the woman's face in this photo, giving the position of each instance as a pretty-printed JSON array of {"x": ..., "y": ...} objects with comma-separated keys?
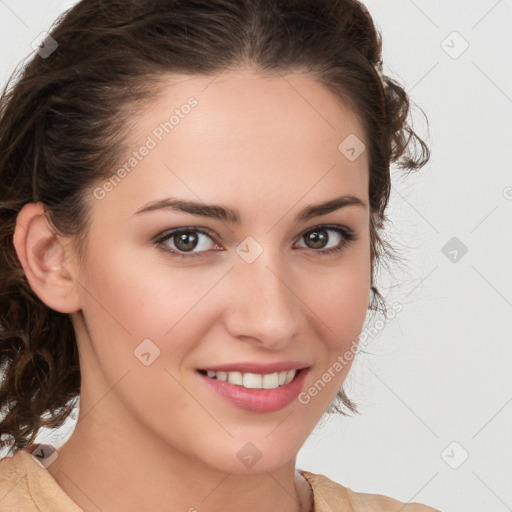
[{"x": 255, "y": 291}]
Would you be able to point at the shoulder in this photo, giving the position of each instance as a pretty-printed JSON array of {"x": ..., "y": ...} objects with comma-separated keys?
[
  {"x": 330, "y": 496},
  {"x": 14, "y": 489},
  {"x": 378, "y": 502},
  {"x": 27, "y": 486}
]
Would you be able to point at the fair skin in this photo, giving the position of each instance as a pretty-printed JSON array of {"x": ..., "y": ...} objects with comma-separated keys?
[{"x": 156, "y": 437}]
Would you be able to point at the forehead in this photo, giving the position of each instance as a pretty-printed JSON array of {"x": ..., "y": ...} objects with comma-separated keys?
[
  {"x": 247, "y": 100},
  {"x": 262, "y": 136}
]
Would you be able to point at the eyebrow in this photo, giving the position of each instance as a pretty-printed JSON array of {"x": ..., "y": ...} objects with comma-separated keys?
[{"x": 229, "y": 215}]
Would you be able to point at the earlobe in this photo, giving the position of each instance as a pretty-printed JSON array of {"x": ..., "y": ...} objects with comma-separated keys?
[{"x": 42, "y": 257}]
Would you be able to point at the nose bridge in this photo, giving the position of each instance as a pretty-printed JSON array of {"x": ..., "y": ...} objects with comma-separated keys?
[{"x": 264, "y": 305}]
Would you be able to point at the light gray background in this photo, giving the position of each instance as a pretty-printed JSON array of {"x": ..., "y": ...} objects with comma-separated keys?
[{"x": 438, "y": 372}]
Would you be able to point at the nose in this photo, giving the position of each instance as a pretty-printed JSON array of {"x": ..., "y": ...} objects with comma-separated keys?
[{"x": 263, "y": 306}]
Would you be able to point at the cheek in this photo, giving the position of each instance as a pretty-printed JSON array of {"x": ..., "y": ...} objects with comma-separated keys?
[
  {"x": 129, "y": 296},
  {"x": 340, "y": 296},
  {"x": 345, "y": 304},
  {"x": 341, "y": 305},
  {"x": 135, "y": 290}
]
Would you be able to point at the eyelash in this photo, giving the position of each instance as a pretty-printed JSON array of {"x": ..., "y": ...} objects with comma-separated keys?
[{"x": 348, "y": 235}]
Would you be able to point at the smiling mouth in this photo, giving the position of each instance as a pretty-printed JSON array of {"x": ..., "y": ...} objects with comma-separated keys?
[{"x": 254, "y": 380}]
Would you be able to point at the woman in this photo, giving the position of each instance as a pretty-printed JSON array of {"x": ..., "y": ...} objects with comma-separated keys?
[{"x": 258, "y": 133}]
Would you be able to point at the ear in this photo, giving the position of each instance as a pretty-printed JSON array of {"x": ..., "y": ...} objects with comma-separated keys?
[{"x": 42, "y": 255}]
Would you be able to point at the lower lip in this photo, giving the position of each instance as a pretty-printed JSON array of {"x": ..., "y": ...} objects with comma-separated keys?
[{"x": 258, "y": 400}]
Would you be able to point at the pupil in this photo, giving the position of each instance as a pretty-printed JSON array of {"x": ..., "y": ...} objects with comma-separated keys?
[
  {"x": 318, "y": 238},
  {"x": 183, "y": 241}
]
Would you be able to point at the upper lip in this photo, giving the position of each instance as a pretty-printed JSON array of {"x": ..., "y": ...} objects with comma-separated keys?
[{"x": 280, "y": 366}]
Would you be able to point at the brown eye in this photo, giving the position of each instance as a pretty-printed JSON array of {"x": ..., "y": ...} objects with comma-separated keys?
[
  {"x": 183, "y": 242},
  {"x": 186, "y": 240},
  {"x": 319, "y": 238}
]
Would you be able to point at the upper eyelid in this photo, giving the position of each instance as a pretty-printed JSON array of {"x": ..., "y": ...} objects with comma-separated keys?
[{"x": 168, "y": 233}]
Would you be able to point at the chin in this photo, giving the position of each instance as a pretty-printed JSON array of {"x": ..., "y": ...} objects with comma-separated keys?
[{"x": 248, "y": 457}]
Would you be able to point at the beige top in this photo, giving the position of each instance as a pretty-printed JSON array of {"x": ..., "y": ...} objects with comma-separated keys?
[{"x": 27, "y": 486}]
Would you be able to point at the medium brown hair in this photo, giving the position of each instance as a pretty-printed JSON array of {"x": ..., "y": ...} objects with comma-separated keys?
[{"x": 63, "y": 126}]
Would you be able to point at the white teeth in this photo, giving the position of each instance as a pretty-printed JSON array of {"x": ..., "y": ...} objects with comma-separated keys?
[
  {"x": 255, "y": 380},
  {"x": 271, "y": 381},
  {"x": 235, "y": 378},
  {"x": 221, "y": 376},
  {"x": 252, "y": 380}
]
